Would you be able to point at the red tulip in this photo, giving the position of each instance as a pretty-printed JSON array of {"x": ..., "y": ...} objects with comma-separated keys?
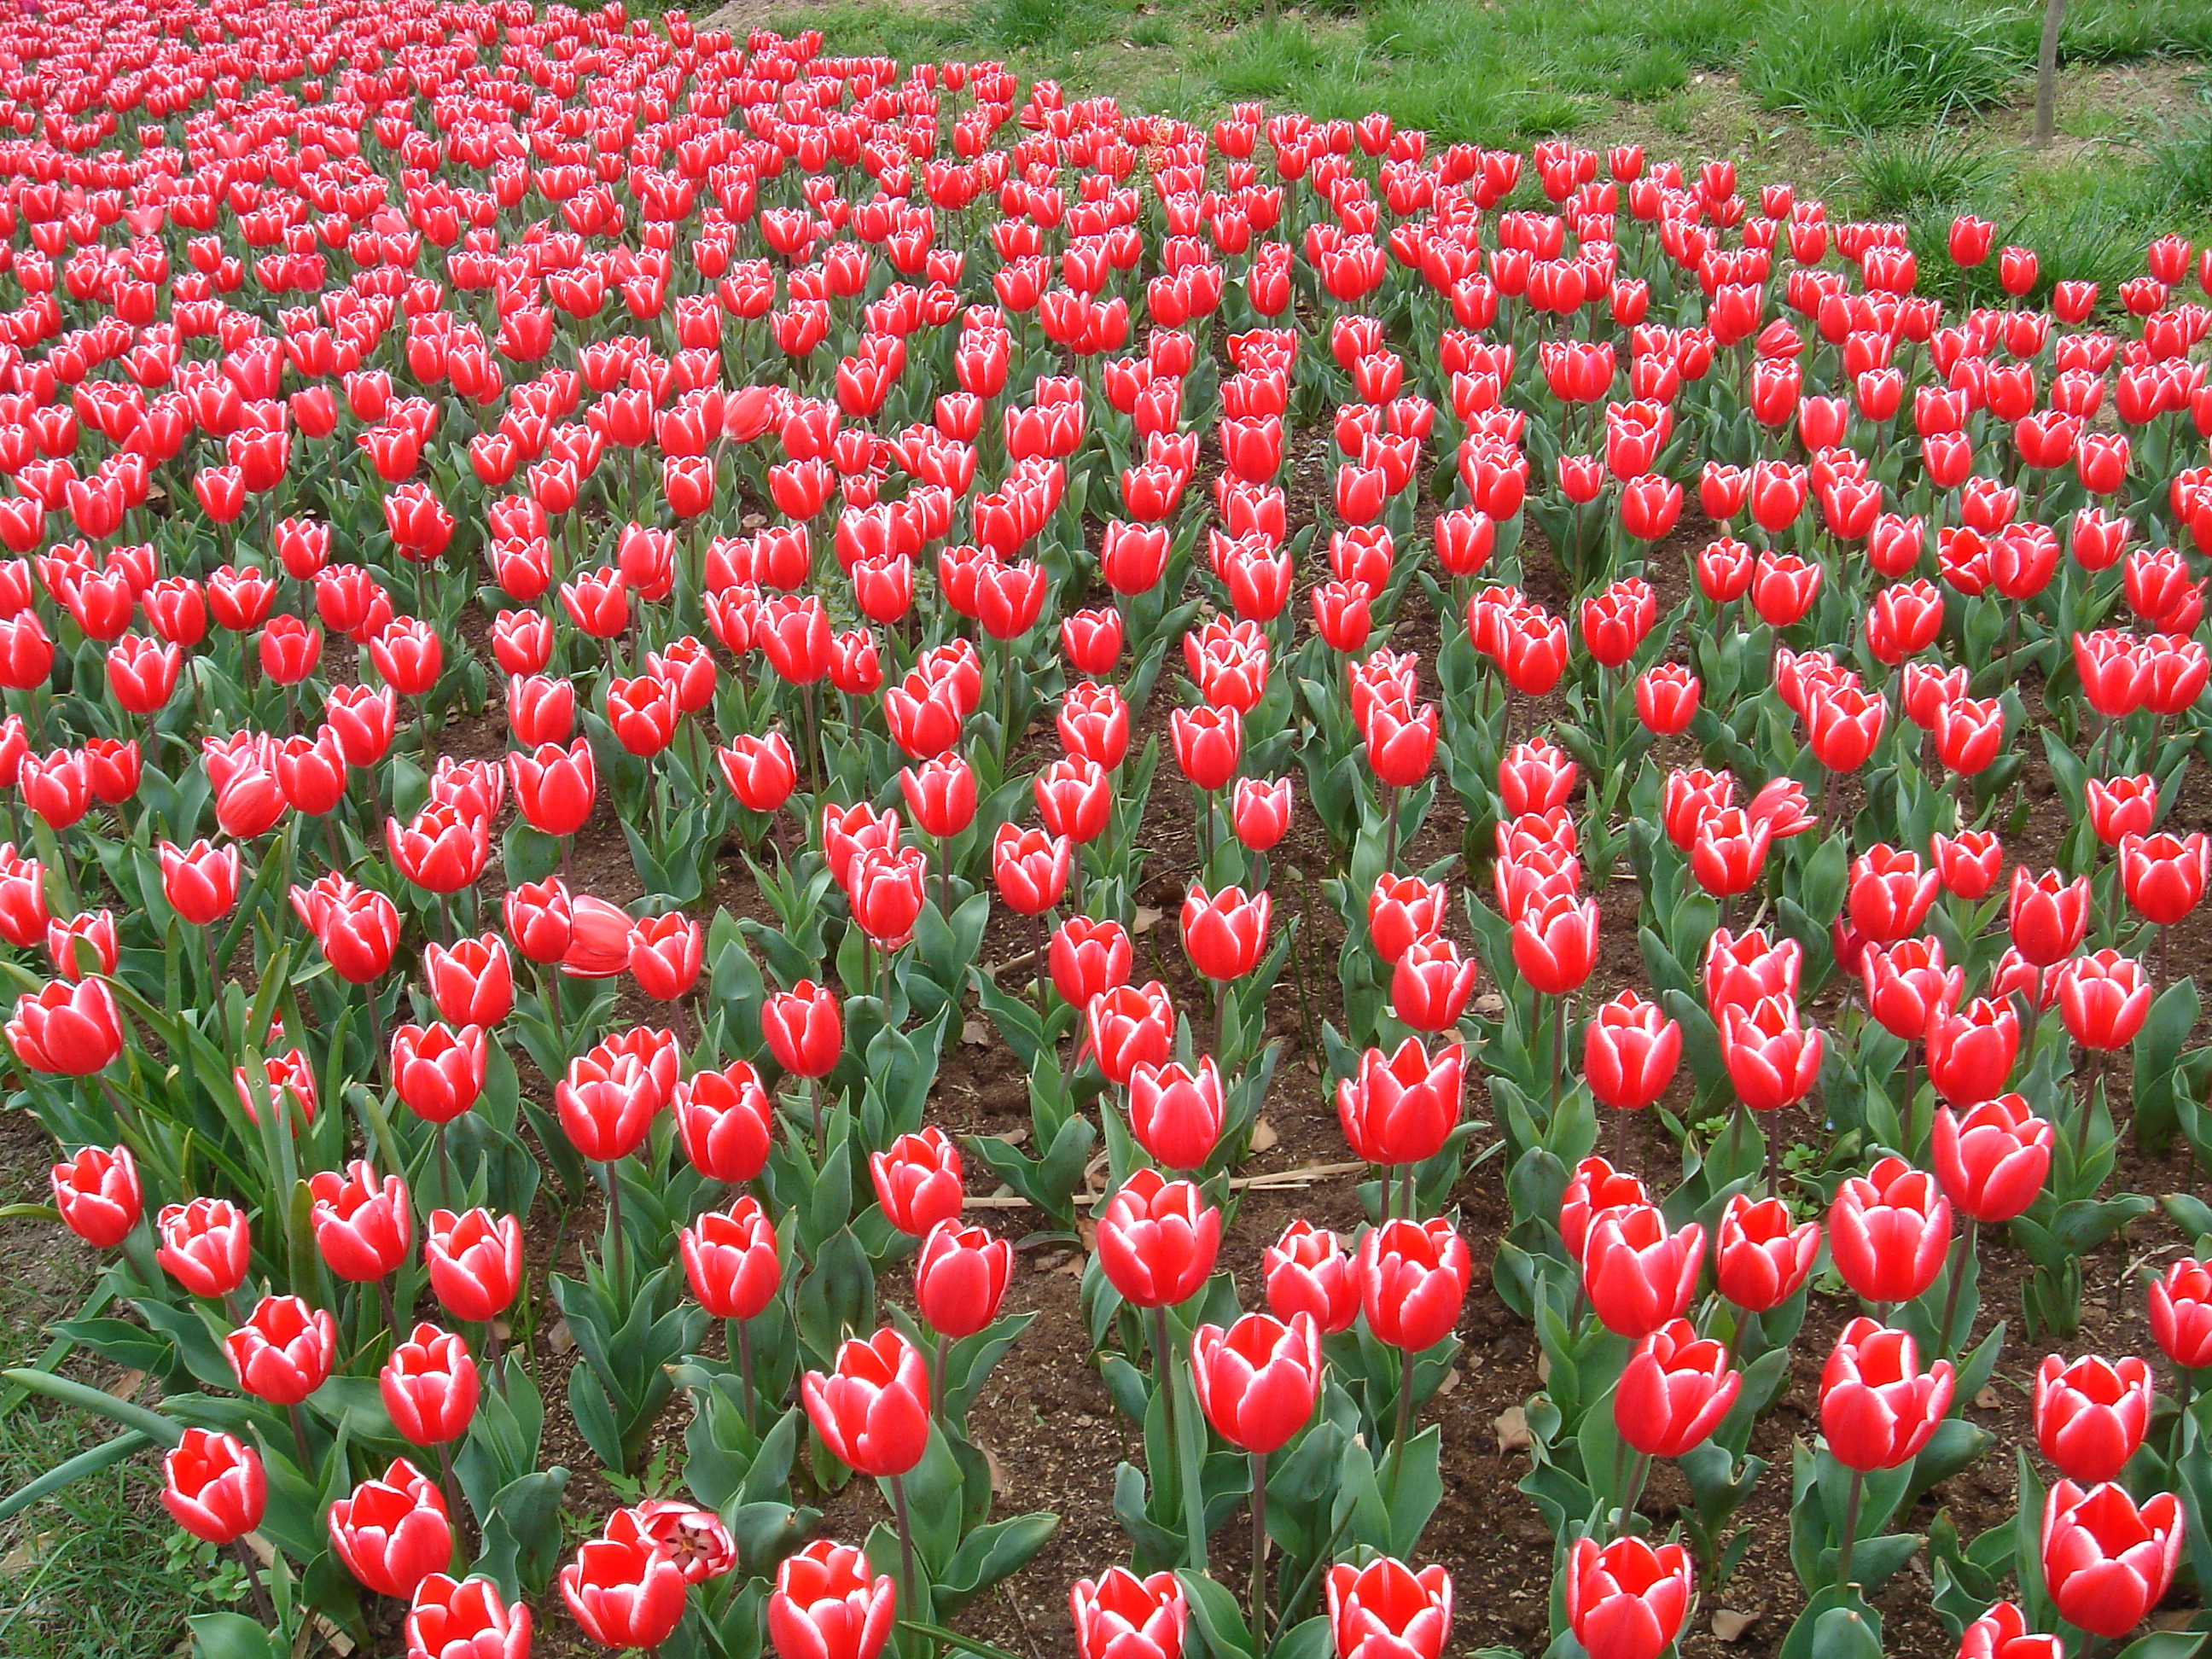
[
  {"x": 1674, "y": 1392},
  {"x": 1385, "y": 1610},
  {"x": 1889, "y": 1231},
  {"x": 1761, "y": 1257},
  {"x": 726, "y": 1122},
  {"x": 430, "y": 1386},
  {"x": 472, "y": 983},
  {"x": 205, "y": 1245},
  {"x": 2090, "y": 1416},
  {"x": 2106, "y": 1561},
  {"x": 213, "y": 1486},
  {"x": 1431, "y": 984},
  {"x": 1308, "y": 1272},
  {"x": 872, "y": 1411},
  {"x": 74, "y": 1031},
  {"x": 1121, "y": 1616},
  {"x": 475, "y": 1262},
  {"x": 1993, "y": 1159},
  {"x": 1771, "y": 1060},
  {"x": 1638, "y": 1275},
  {"x": 1630, "y": 1052},
  {"x": 1129, "y": 1026},
  {"x": 1157, "y": 1240},
  {"x": 2105, "y": 998},
  {"x": 1877, "y": 1410},
  {"x": 803, "y": 1028},
  {"x": 826, "y": 1605},
  {"x": 284, "y": 1352},
  {"x": 2181, "y": 1313},
  {"x": 918, "y": 1180},
  {"x": 468, "y": 1619},
  {"x": 98, "y": 1195},
  {"x": 1627, "y": 1600},
  {"x": 1224, "y": 934},
  {"x": 626, "y": 1593},
  {"x": 1402, "y": 1106},
  {"x": 730, "y": 1260},
  {"x": 2002, "y": 1633},
  {"x": 438, "y": 1073},
  {"x": 1412, "y": 1282},
  {"x": 1258, "y": 1381},
  {"x": 960, "y": 1277}
]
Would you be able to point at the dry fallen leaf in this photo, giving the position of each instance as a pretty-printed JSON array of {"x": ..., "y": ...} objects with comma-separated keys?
[
  {"x": 975, "y": 1033},
  {"x": 1489, "y": 1003},
  {"x": 1263, "y": 1135},
  {"x": 1729, "y": 1624},
  {"x": 998, "y": 1471},
  {"x": 1986, "y": 1399},
  {"x": 1147, "y": 919},
  {"x": 127, "y": 1385},
  {"x": 1512, "y": 1426},
  {"x": 557, "y": 1340},
  {"x": 1452, "y": 1379}
]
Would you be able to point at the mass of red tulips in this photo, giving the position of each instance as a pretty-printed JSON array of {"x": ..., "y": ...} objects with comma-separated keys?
[{"x": 586, "y": 599}]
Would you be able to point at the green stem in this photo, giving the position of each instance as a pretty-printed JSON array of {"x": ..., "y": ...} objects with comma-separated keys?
[
  {"x": 1850, "y": 1528},
  {"x": 1260, "y": 1549}
]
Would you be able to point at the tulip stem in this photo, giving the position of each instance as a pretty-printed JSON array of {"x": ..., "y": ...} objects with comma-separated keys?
[
  {"x": 2090, "y": 1088},
  {"x": 1960, "y": 1255},
  {"x": 252, "y": 1563},
  {"x": 906, "y": 1542},
  {"x": 452, "y": 1489},
  {"x": 1260, "y": 1546},
  {"x": 741, "y": 1339},
  {"x": 1407, "y": 1195},
  {"x": 1635, "y": 1498},
  {"x": 1390, "y": 832},
  {"x": 300, "y": 1439},
  {"x": 1189, "y": 1459},
  {"x": 937, "y": 1382},
  {"x": 618, "y": 1252},
  {"x": 1404, "y": 1435},
  {"x": 1850, "y": 1528}
]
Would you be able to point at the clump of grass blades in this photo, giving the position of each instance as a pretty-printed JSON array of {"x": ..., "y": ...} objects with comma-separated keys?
[
  {"x": 1883, "y": 64},
  {"x": 2178, "y": 180},
  {"x": 2114, "y": 30},
  {"x": 1931, "y": 169}
]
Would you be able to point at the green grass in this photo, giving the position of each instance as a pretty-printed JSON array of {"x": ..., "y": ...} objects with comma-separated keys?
[
  {"x": 1882, "y": 65},
  {"x": 1897, "y": 175},
  {"x": 96, "y": 1571}
]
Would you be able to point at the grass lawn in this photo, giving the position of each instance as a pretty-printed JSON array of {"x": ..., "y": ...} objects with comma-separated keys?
[
  {"x": 1911, "y": 109},
  {"x": 96, "y": 1571}
]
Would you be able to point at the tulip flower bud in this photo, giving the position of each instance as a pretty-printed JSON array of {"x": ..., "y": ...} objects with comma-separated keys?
[
  {"x": 1630, "y": 1052},
  {"x": 1877, "y": 1410},
  {"x": 730, "y": 1260},
  {"x": 2181, "y": 1313},
  {"x": 1992, "y": 1159},
  {"x": 430, "y": 1386},
  {"x": 826, "y": 1605},
  {"x": 213, "y": 1486},
  {"x": 918, "y": 1180},
  {"x": 2090, "y": 1416},
  {"x": 1308, "y": 1272},
  {"x": 475, "y": 1262},
  {"x": 1157, "y": 1240},
  {"x": 872, "y": 1411},
  {"x": 284, "y": 1352},
  {"x": 205, "y": 1245},
  {"x": 960, "y": 1277},
  {"x": 1121, "y": 1616},
  {"x": 98, "y": 1194},
  {"x": 1674, "y": 1392},
  {"x": 2106, "y": 1561},
  {"x": 726, "y": 1122},
  {"x": 1176, "y": 1114},
  {"x": 1412, "y": 1282},
  {"x": 1385, "y": 1610},
  {"x": 467, "y": 1619},
  {"x": 1762, "y": 1256},
  {"x": 626, "y": 1593}
]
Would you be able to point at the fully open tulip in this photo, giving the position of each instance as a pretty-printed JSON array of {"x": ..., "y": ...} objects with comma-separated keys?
[
  {"x": 1257, "y": 1381},
  {"x": 827, "y": 1605},
  {"x": 626, "y": 1593},
  {"x": 1121, "y": 1616},
  {"x": 1889, "y": 1231},
  {"x": 284, "y": 1352},
  {"x": 1177, "y": 1113},
  {"x": 1308, "y": 1272},
  {"x": 467, "y": 1619},
  {"x": 1762, "y": 1255},
  {"x": 2090, "y": 1416},
  {"x": 1627, "y": 1600},
  {"x": 1157, "y": 1240},
  {"x": 475, "y": 1261},
  {"x": 872, "y": 1411},
  {"x": 730, "y": 1260},
  {"x": 1385, "y": 1610},
  {"x": 97, "y": 1193},
  {"x": 918, "y": 1180},
  {"x": 430, "y": 1386},
  {"x": 1992, "y": 1159},
  {"x": 1630, "y": 1051},
  {"x": 1638, "y": 1275},
  {"x": 1876, "y": 1407},
  {"x": 2107, "y": 1561},
  {"x": 1402, "y": 1105},
  {"x": 1674, "y": 1392},
  {"x": 1412, "y": 1281}
]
